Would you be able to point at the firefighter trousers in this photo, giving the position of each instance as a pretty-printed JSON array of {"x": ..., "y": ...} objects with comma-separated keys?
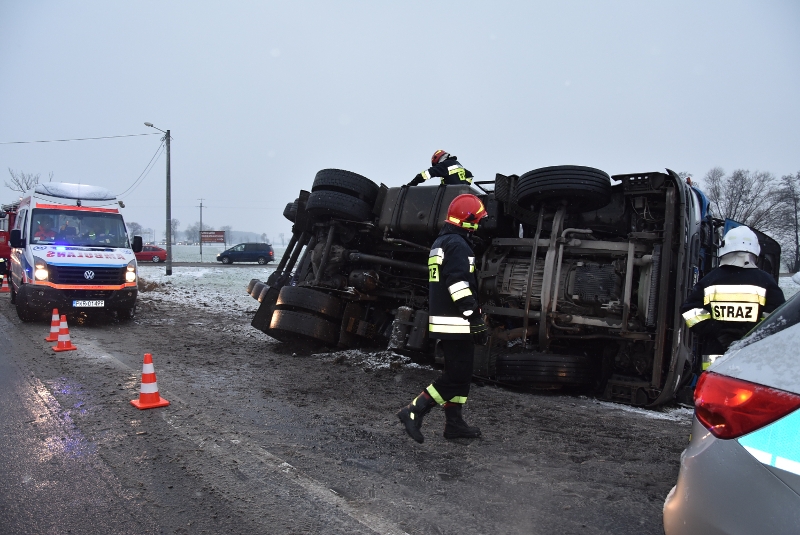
[{"x": 453, "y": 384}]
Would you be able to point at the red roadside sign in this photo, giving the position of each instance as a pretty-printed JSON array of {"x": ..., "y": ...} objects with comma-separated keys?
[{"x": 212, "y": 236}]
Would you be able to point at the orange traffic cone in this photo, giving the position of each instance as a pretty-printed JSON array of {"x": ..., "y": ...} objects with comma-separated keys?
[
  {"x": 4, "y": 288},
  {"x": 55, "y": 326},
  {"x": 64, "y": 343},
  {"x": 148, "y": 394}
]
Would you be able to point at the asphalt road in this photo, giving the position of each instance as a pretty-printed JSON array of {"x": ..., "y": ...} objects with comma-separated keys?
[{"x": 261, "y": 437}]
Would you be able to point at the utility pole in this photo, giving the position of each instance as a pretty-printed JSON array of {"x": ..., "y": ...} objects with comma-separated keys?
[
  {"x": 200, "y": 233},
  {"x": 166, "y": 139}
]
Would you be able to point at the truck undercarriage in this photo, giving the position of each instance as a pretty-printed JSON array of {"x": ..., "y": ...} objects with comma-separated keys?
[{"x": 580, "y": 275}]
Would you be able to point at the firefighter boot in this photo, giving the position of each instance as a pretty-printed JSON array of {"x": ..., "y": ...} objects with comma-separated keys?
[
  {"x": 455, "y": 426},
  {"x": 411, "y": 415}
]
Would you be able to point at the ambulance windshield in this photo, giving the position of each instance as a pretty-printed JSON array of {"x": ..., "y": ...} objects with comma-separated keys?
[{"x": 76, "y": 227}]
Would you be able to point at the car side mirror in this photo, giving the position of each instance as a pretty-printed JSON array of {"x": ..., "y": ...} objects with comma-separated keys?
[
  {"x": 137, "y": 244},
  {"x": 15, "y": 238}
]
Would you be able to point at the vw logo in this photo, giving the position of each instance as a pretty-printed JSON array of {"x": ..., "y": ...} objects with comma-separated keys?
[{"x": 88, "y": 275}]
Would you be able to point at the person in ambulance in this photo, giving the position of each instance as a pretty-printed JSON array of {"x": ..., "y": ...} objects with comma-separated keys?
[{"x": 728, "y": 302}]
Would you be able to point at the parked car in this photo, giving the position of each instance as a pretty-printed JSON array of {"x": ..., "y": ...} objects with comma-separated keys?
[
  {"x": 741, "y": 471},
  {"x": 247, "y": 252},
  {"x": 152, "y": 253},
  {"x": 588, "y": 271}
]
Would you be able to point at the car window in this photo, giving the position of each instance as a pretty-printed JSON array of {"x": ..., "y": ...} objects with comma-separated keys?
[
  {"x": 239, "y": 247},
  {"x": 784, "y": 316}
]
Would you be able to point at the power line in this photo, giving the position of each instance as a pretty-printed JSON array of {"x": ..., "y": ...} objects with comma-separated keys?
[
  {"x": 76, "y": 139},
  {"x": 143, "y": 174}
]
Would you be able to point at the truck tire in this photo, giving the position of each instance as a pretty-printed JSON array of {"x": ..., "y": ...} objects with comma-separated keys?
[
  {"x": 256, "y": 291},
  {"x": 584, "y": 188},
  {"x": 348, "y": 183},
  {"x": 545, "y": 369},
  {"x": 251, "y": 285},
  {"x": 307, "y": 300},
  {"x": 337, "y": 205},
  {"x": 290, "y": 212},
  {"x": 288, "y": 324}
]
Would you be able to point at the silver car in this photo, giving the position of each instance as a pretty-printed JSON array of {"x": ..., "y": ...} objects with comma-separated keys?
[{"x": 741, "y": 471}]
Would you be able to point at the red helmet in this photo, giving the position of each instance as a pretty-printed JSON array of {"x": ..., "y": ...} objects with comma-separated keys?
[
  {"x": 466, "y": 211},
  {"x": 438, "y": 156}
]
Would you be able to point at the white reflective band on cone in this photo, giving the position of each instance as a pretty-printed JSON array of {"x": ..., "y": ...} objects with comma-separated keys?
[
  {"x": 148, "y": 368},
  {"x": 149, "y": 388}
]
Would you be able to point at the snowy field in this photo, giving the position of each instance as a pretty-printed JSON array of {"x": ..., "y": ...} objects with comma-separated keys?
[{"x": 191, "y": 253}]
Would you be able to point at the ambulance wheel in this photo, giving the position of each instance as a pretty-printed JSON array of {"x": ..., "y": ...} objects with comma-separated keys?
[
  {"x": 126, "y": 314},
  {"x": 346, "y": 182},
  {"x": 338, "y": 205},
  {"x": 290, "y": 325},
  {"x": 25, "y": 313},
  {"x": 307, "y": 300},
  {"x": 547, "y": 369},
  {"x": 583, "y": 188}
]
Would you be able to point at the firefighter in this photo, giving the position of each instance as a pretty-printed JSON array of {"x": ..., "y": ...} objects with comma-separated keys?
[
  {"x": 731, "y": 299},
  {"x": 455, "y": 320},
  {"x": 445, "y": 167}
]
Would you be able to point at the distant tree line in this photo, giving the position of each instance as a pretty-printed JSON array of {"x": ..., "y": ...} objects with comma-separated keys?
[{"x": 761, "y": 200}]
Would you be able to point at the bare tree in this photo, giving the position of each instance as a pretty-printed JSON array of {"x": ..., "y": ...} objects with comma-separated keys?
[
  {"x": 789, "y": 237},
  {"x": 174, "y": 223},
  {"x": 751, "y": 198},
  {"x": 134, "y": 228},
  {"x": 22, "y": 182},
  {"x": 192, "y": 232}
]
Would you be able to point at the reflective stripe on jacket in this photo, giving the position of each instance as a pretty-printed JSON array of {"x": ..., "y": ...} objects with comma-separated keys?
[
  {"x": 452, "y": 286},
  {"x": 450, "y": 171}
]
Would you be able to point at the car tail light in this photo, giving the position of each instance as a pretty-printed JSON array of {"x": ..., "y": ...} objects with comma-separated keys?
[{"x": 730, "y": 407}]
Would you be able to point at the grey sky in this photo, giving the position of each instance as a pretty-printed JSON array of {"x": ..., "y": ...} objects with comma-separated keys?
[{"x": 261, "y": 95}]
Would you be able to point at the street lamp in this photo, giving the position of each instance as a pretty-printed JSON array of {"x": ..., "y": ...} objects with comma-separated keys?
[{"x": 169, "y": 201}]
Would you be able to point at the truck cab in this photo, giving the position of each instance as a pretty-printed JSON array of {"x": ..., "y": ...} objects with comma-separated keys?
[{"x": 70, "y": 250}]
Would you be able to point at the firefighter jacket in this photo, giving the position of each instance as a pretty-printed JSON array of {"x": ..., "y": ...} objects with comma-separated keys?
[
  {"x": 450, "y": 171},
  {"x": 727, "y": 303},
  {"x": 452, "y": 286}
]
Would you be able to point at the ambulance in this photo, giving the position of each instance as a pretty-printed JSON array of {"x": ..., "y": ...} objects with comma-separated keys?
[{"x": 70, "y": 250}]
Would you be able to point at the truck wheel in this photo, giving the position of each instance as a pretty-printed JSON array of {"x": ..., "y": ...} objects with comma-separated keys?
[
  {"x": 251, "y": 285},
  {"x": 25, "y": 313},
  {"x": 262, "y": 260},
  {"x": 334, "y": 204},
  {"x": 288, "y": 324},
  {"x": 126, "y": 314},
  {"x": 290, "y": 212},
  {"x": 305, "y": 299},
  {"x": 545, "y": 369},
  {"x": 346, "y": 182},
  {"x": 256, "y": 291},
  {"x": 226, "y": 260},
  {"x": 584, "y": 188}
]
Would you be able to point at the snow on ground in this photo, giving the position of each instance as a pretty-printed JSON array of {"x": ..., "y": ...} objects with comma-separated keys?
[
  {"x": 675, "y": 414},
  {"x": 223, "y": 289},
  {"x": 375, "y": 360}
]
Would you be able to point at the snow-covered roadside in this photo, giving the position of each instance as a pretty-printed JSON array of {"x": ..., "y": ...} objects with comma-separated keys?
[{"x": 221, "y": 289}]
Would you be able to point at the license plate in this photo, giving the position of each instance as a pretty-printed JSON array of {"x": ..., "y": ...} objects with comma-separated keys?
[{"x": 85, "y": 304}]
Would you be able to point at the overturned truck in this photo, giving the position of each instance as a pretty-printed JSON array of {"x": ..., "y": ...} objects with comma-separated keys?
[{"x": 581, "y": 275}]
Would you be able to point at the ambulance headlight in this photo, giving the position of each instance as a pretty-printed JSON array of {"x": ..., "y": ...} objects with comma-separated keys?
[
  {"x": 39, "y": 269},
  {"x": 130, "y": 274}
]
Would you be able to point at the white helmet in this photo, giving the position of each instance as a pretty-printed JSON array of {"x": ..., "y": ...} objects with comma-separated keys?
[{"x": 740, "y": 239}]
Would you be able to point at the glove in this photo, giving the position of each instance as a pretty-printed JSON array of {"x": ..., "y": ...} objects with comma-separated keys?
[
  {"x": 479, "y": 332},
  {"x": 417, "y": 180}
]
